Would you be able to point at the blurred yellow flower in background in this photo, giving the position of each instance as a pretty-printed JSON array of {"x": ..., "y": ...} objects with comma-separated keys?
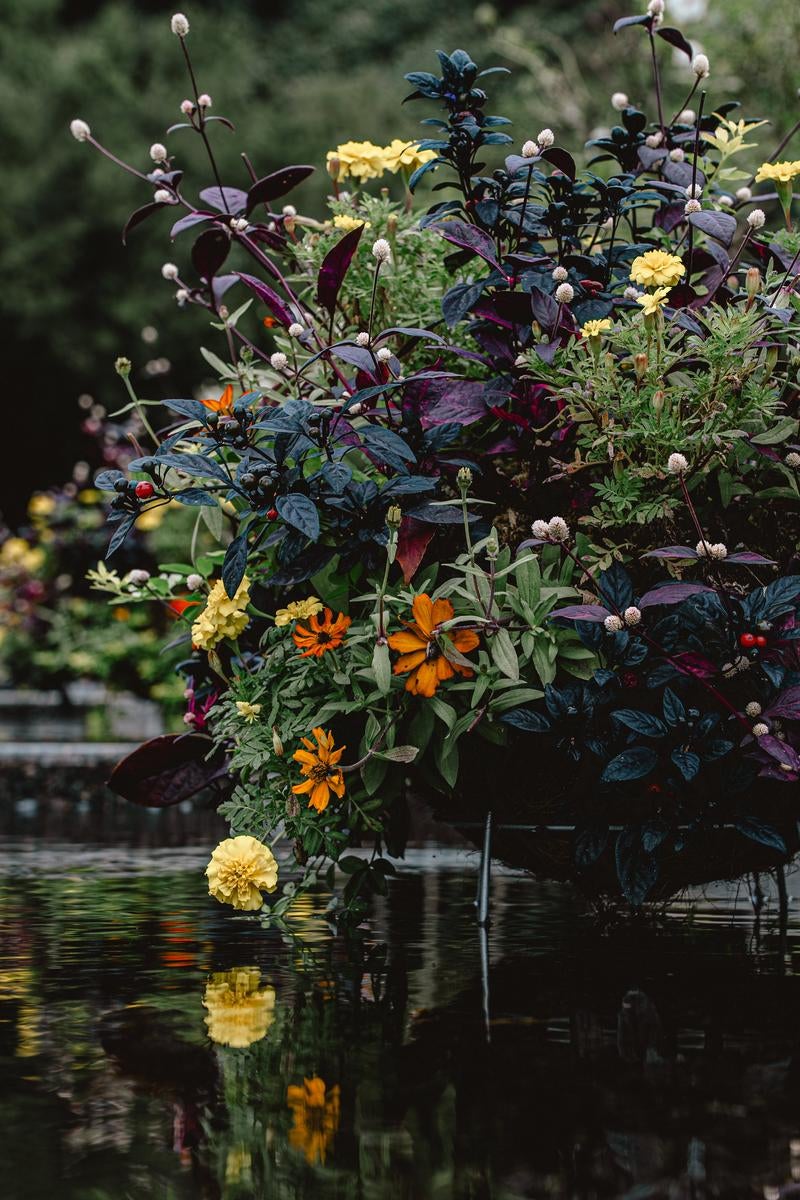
[
  {"x": 405, "y": 154},
  {"x": 359, "y": 160},
  {"x": 222, "y": 616},
  {"x": 241, "y": 868},
  {"x": 40, "y": 505},
  {"x": 315, "y": 1112},
  {"x": 19, "y": 555},
  {"x": 779, "y": 172},
  {"x": 240, "y": 1010}
]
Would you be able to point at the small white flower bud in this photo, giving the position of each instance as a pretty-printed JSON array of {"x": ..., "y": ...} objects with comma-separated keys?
[
  {"x": 744, "y": 194},
  {"x": 677, "y": 154},
  {"x": 278, "y": 361},
  {"x": 692, "y": 206},
  {"x": 289, "y": 210},
  {"x": 381, "y": 250},
  {"x": 632, "y": 615},
  {"x": 760, "y": 730},
  {"x": 613, "y": 624},
  {"x": 702, "y": 549},
  {"x": 79, "y": 130},
  {"x": 169, "y": 271},
  {"x": 619, "y": 101},
  {"x": 182, "y": 295},
  {"x": 792, "y": 460},
  {"x": 694, "y": 191},
  {"x": 756, "y": 218},
  {"x": 204, "y": 100},
  {"x": 239, "y": 224},
  {"x": 558, "y": 529},
  {"x": 179, "y": 25},
  {"x": 565, "y": 293},
  {"x": 384, "y": 354},
  {"x": 158, "y": 152},
  {"x": 545, "y": 138},
  {"x": 718, "y": 550},
  {"x": 156, "y": 173},
  {"x": 701, "y": 66},
  {"x": 724, "y": 200},
  {"x": 355, "y": 410},
  {"x": 187, "y": 107},
  {"x": 655, "y": 8},
  {"x": 362, "y": 339},
  {"x": 194, "y": 582},
  {"x": 560, "y": 274},
  {"x": 753, "y": 709},
  {"x": 162, "y": 196},
  {"x": 529, "y": 149},
  {"x": 539, "y": 529},
  {"x": 296, "y": 330},
  {"x": 138, "y": 577},
  {"x": 654, "y": 139},
  {"x": 677, "y": 464},
  {"x": 631, "y": 293},
  {"x": 687, "y": 117}
]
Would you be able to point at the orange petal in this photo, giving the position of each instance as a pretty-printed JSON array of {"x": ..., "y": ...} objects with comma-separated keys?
[
  {"x": 305, "y": 786},
  {"x": 424, "y": 680},
  {"x": 407, "y": 662},
  {"x": 444, "y": 669},
  {"x": 320, "y": 797},
  {"x": 423, "y": 613},
  {"x": 465, "y": 639},
  {"x": 442, "y": 611},
  {"x": 406, "y": 642}
]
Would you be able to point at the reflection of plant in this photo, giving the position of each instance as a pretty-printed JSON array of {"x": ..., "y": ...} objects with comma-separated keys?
[
  {"x": 240, "y": 1009},
  {"x": 315, "y": 1113}
]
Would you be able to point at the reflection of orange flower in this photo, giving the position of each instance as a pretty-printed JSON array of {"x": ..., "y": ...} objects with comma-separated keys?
[
  {"x": 315, "y": 1112},
  {"x": 322, "y": 634},
  {"x": 319, "y": 764},
  {"x": 420, "y": 651},
  {"x": 224, "y": 405}
]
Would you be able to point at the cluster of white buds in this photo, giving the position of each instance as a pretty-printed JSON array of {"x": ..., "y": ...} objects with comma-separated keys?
[
  {"x": 529, "y": 149},
  {"x": 278, "y": 361},
  {"x": 677, "y": 154},
  {"x": 711, "y": 549},
  {"x": 204, "y": 100},
  {"x": 554, "y": 530},
  {"x": 613, "y": 624},
  {"x": 653, "y": 140},
  {"x": 631, "y": 293},
  {"x": 239, "y": 224},
  {"x": 545, "y": 138},
  {"x": 162, "y": 196},
  {"x": 179, "y": 25},
  {"x": 756, "y": 218},
  {"x": 187, "y": 107},
  {"x": 760, "y": 730},
  {"x": 295, "y": 330},
  {"x": 80, "y": 130},
  {"x": 792, "y": 460},
  {"x": 753, "y": 709},
  {"x": 182, "y": 295},
  {"x": 289, "y": 210},
  {"x": 565, "y": 293},
  {"x": 692, "y": 206},
  {"x": 632, "y": 615},
  {"x": 687, "y": 117},
  {"x": 194, "y": 582},
  {"x": 744, "y": 194},
  {"x": 655, "y": 9},
  {"x": 694, "y": 191},
  {"x": 169, "y": 271},
  {"x": 362, "y": 338},
  {"x": 701, "y": 66},
  {"x": 384, "y": 354},
  {"x": 138, "y": 577},
  {"x": 158, "y": 152},
  {"x": 560, "y": 274},
  {"x": 677, "y": 464},
  {"x": 619, "y": 101},
  {"x": 381, "y": 250}
]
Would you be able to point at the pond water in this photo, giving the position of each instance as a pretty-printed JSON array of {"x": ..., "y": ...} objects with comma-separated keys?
[{"x": 155, "y": 1045}]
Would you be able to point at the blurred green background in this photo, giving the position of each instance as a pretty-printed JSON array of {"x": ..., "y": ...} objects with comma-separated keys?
[{"x": 296, "y": 76}]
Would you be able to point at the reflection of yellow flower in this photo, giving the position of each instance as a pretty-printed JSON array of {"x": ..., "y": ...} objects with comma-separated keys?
[
  {"x": 241, "y": 868},
  {"x": 240, "y": 1011},
  {"x": 405, "y": 154},
  {"x": 656, "y": 268},
  {"x": 654, "y": 302},
  {"x": 361, "y": 160},
  {"x": 298, "y": 610},
  {"x": 343, "y": 221},
  {"x": 595, "y": 328},
  {"x": 222, "y": 616},
  {"x": 17, "y": 554},
  {"x": 780, "y": 172},
  {"x": 315, "y": 1113},
  {"x": 249, "y": 712}
]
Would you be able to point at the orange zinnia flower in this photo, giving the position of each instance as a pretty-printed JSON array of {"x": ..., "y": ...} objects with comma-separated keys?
[
  {"x": 319, "y": 764},
  {"x": 223, "y": 406},
  {"x": 420, "y": 651},
  {"x": 323, "y": 633}
]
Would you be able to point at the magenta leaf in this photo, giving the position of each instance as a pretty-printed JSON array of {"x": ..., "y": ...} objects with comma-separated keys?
[
  {"x": 787, "y": 705},
  {"x": 749, "y": 556},
  {"x": 335, "y": 266},
  {"x": 166, "y": 770},
  {"x": 271, "y": 187},
  {"x": 672, "y": 593},
  {"x": 272, "y": 300}
]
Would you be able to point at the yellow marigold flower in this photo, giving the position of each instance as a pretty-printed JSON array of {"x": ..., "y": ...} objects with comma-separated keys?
[
  {"x": 17, "y": 554},
  {"x": 241, "y": 868},
  {"x": 596, "y": 328},
  {"x": 656, "y": 268},
  {"x": 298, "y": 610},
  {"x": 249, "y": 712},
  {"x": 240, "y": 1010},
  {"x": 40, "y": 505},
  {"x": 343, "y": 221},
  {"x": 405, "y": 154},
  {"x": 653, "y": 302},
  {"x": 780, "y": 172},
  {"x": 222, "y": 617},
  {"x": 360, "y": 160},
  {"x": 315, "y": 1116}
]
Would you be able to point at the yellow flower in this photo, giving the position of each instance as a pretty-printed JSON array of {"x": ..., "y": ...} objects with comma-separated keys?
[
  {"x": 780, "y": 172},
  {"x": 298, "y": 610},
  {"x": 656, "y": 268},
  {"x": 89, "y": 496},
  {"x": 17, "y": 554},
  {"x": 343, "y": 221},
  {"x": 320, "y": 765},
  {"x": 654, "y": 302},
  {"x": 40, "y": 505},
  {"x": 221, "y": 617},
  {"x": 248, "y": 711},
  {"x": 240, "y": 1011},
  {"x": 361, "y": 160},
  {"x": 595, "y": 328},
  {"x": 405, "y": 154},
  {"x": 240, "y": 869},
  {"x": 315, "y": 1113}
]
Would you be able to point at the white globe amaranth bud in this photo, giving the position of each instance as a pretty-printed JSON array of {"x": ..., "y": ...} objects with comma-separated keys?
[
  {"x": 694, "y": 191},
  {"x": 558, "y": 529},
  {"x": 187, "y": 107},
  {"x": 655, "y": 8},
  {"x": 619, "y": 101},
  {"x": 560, "y": 274},
  {"x": 182, "y": 295},
  {"x": 760, "y": 730},
  {"x": 565, "y": 293},
  {"x": 677, "y": 154},
  {"x": 381, "y": 250},
  {"x": 725, "y": 200},
  {"x": 189, "y": 718},
  {"x": 692, "y": 206},
  {"x": 756, "y": 219},
  {"x": 239, "y": 224},
  {"x": 792, "y": 460},
  {"x": 744, "y": 194},
  {"x": 362, "y": 339},
  {"x": 613, "y": 624},
  {"x": 278, "y": 361},
  {"x": 632, "y": 615},
  {"x": 80, "y": 130},
  {"x": 677, "y": 464},
  {"x": 169, "y": 271},
  {"x": 204, "y": 100},
  {"x": 545, "y": 138},
  {"x": 158, "y": 152},
  {"x": 539, "y": 529},
  {"x": 138, "y": 577},
  {"x": 687, "y": 117},
  {"x": 701, "y": 66},
  {"x": 718, "y": 550},
  {"x": 753, "y": 709},
  {"x": 701, "y": 549},
  {"x": 631, "y": 293},
  {"x": 384, "y": 354},
  {"x": 295, "y": 330},
  {"x": 194, "y": 582},
  {"x": 654, "y": 139},
  {"x": 179, "y": 24},
  {"x": 529, "y": 149},
  {"x": 162, "y": 196},
  {"x": 289, "y": 210}
]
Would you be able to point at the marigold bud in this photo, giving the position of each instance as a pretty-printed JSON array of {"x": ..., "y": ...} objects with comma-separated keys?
[
  {"x": 80, "y": 130},
  {"x": 658, "y": 401},
  {"x": 334, "y": 166},
  {"x": 277, "y": 744},
  {"x": 753, "y": 282},
  {"x": 464, "y": 479},
  {"x": 394, "y": 516},
  {"x": 640, "y": 364}
]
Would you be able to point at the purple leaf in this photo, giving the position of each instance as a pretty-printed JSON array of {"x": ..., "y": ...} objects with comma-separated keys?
[
  {"x": 188, "y": 221},
  {"x": 561, "y": 160},
  {"x": 450, "y": 400},
  {"x": 582, "y": 612},
  {"x": 749, "y": 556},
  {"x": 672, "y": 593},
  {"x": 469, "y": 237},
  {"x": 676, "y": 39},
  {"x": 209, "y": 252},
  {"x": 718, "y": 225},
  {"x": 696, "y": 664},
  {"x": 782, "y": 752},
  {"x": 787, "y": 705},
  {"x": 166, "y": 770},
  {"x": 672, "y": 552},
  {"x": 334, "y": 268},
  {"x": 272, "y": 300},
  {"x": 271, "y": 187},
  {"x": 680, "y": 173},
  {"x": 413, "y": 540},
  {"x": 624, "y": 22},
  {"x": 137, "y": 217},
  {"x": 221, "y": 283},
  {"x": 226, "y": 199}
]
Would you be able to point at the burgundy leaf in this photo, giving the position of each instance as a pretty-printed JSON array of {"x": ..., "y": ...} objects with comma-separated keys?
[
  {"x": 561, "y": 160},
  {"x": 673, "y": 593},
  {"x": 226, "y": 199},
  {"x": 448, "y": 400},
  {"x": 412, "y": 542},
  {"x": 334, "y": 268},
  {"x": 676, "y": 39},
  {"x": 166, "y": 770},
  {"x": 188, "y": 221},
  {"x": 781, "y": 751},
  {"x": 582, "y": 612},
  {"x": 137, "y": 217},
  {"x": 209, "y": 252},
  {"x": 672, "y": 552},
  {"x": 469, "y": 237},
  {"x": 718, "y": 225},
  {"x": 787, "y": 705},
  {"x": 271, "y": 187},
  {"x": 749, "y": 556},
  {"x": 272, "y": 300}
]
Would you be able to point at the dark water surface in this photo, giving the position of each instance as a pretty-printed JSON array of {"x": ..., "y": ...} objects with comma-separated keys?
[{"x": 154, "y": 1045}]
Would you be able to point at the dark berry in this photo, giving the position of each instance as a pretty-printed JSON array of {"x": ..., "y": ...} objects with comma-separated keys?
[
  {"x": 120, "y": 485},
  {"x": 144, "y": 490},
  {"x": 248, "y": 480},
  {"x": 747, "y": 641},
  {"x": 213, "y": 419}
]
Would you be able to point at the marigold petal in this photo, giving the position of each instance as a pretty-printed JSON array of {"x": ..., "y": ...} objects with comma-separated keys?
[{"x": 320, "y": 797}]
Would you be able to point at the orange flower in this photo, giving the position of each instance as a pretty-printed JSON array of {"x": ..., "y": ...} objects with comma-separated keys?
[
  {"x": 269, "y": 322},
  {"x": 223, "y": 406},
  {"x": 315, "y": 1116},
  {"x": 324, "y": 634},
  {"x": 420, "y": 650},
  {"x": 319, "y": 764},
  {"x": 179, "y": 606}
]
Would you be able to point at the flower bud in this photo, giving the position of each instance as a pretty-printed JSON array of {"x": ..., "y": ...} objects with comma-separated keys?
[
  {"x": 565, "y": 293},
  {"x": 560, "y": 274},
  {"x": 187, "y": 107},
  {"x": 640, "y": 364},
  {"x": 529, "y": 149},
  {"x": 204, "y": 100},
  {"x": 545, "y": 138},
  {"x": 760, "y": 730},
  {"x": 384, "y": 354},
  {"x": 619, "y": 101},
  {"x": 558, "y": 529},
  {"x": 162, "y": 196},
  {"x": 677, "y": 464},
  {"x": 539, "y": 530},
  {"x": 792, "y": 460},
  {"x": 194, "y": 582},
  {"x": 464, "y": 480},
  {"x": 632, "y": 615},
  {"x": 753, "y": 282},
  {"x": 295, "y": 330},
  {"x": 654, "y": 140},
  {"x": 169, "y": 271},
  {"x": 492, "y": 547},
  {"x": 753, "y": 709},
  {"x": 179, "y": 25},
  {"x": 334, "y": 166},
  {"x": 756, "y": 219},
  {"x": 701, "y": 66},
  {"x": 687, "y": 117},
  {"x": 394, "y": 516},
  {"x": 138, "y": 577},
  {"x": 362, "y": 338},
  {"x": 123, "y": 367},
  {"x": 277, "y": 744},
  {"x": 658, "y": 401},
  {"x": 692, "y": 206},
  {"x": 80, "y": 130},
  {"x": 381, "y": 250},
  {"x": 278, "y": 361},
  {"x": 239, "y": 224},
  {"x": 182, "y": 295},
  {"x": 613, "y": 624},
  {"x": 158, "y": 152},
  {"x": 744, "y": 194}
]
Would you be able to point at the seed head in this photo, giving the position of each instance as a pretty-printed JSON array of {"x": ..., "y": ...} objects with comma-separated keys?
[
  {"x": 565, "y": 293},
  {"x": 613, "y": 624},
  {"x": 539, "y": 529},
  {"x": 182, "y": 295},
  {"x": 753, "y": 709},
  {"x": 756, "y": 218},
  {"x": 80, "y": 130},
  {"x": 162, "y": 196},
  {"x": 792, "y": 459},
  {"x": 179, "y": 25},
  {"x": 560, "y": 274},
  {"x": 384, "y": 354},
  {"x": 289, "y": 210},
  {"x": 187, "y": 107},
  {"x": 760, "y": 730},
  {"x": 295, "y": 330},
  {"x": 169, "y": 271},
  {"x": 632, "y": 615},
  {"x": 158, "y": 153},
  {"x": 545, "y": 138},
  {"x": 278, "y": 361},
  {"x": 692, "y": 206},
  {"x": 558, "y": 529},
  {"x": 619, "y": 101},
  {"x": 701, "y": 66}
]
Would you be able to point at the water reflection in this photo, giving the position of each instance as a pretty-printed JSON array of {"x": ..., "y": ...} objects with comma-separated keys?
[{"x": 153, "y": 1044}]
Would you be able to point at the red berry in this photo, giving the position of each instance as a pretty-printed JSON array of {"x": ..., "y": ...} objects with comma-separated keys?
[
  {"x": 761, "y": 641},
  {"x": 144, "y": 490},
  {"x": 272, "y": 514},
  {"x": 747, "y": 641}
]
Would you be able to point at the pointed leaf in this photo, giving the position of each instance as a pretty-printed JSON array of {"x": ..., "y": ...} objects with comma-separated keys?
[
  {"x": 334, "y": 268},
  {"x": 273, "y": 186}
]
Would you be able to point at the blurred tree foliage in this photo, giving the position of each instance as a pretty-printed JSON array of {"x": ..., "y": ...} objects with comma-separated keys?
[{"x": 296, "y": 77}]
